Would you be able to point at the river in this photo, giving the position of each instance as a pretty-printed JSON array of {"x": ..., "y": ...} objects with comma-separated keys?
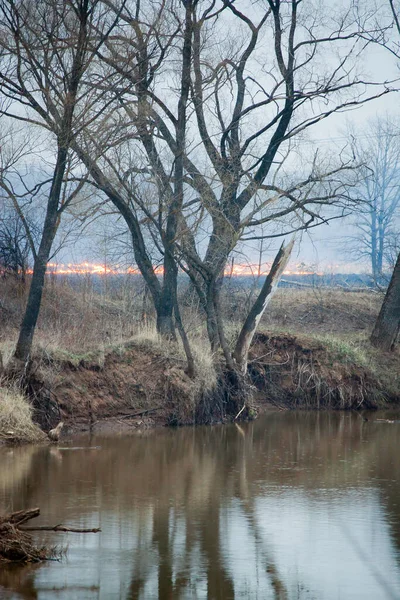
[{"x": 295, "y": 505}]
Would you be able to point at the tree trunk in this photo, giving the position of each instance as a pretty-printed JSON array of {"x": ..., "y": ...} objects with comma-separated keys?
[
  {"x": 212, "y": 325},
  {"x": 374, "y": 244},
  {"x": 165, "y": 322},
  {"x": 191, "y": 370},
  {"x": 169, "y": 296},
  {"x": 162, "y": 298},
  {"x": 250, "y": 325},
  {"x": 200, "y": 287},
  {"x": 379, "y": 258},
  {"x": 25, "y": 339},
  {"x": 215, "y": 290},
  {"x": 165, "y": 304},
  {"x": 387, "y": 325}
]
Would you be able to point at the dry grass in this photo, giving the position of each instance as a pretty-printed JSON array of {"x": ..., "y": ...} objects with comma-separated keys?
[
  {"x": 205, "y": 378},
  {"x": 349, "y": 351},
  {"x": 323, "y": 311},
  {"x": 76, "y": 320},
  {"x": 16, "y": 417},
  {"x": 83, "y": 318},
  {"x": 81, "y": 325}
]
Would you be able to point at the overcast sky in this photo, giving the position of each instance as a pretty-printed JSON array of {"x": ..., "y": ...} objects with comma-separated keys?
[{"x": 324, "y": 247}]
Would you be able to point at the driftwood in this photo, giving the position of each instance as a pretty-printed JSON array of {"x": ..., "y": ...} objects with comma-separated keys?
[
  {"x": 16, "y": 545},
  {"x": 21, "y": 516}
]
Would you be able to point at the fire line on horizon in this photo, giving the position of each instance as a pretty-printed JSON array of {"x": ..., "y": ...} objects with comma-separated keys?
[{"x": 237, "y": 270}]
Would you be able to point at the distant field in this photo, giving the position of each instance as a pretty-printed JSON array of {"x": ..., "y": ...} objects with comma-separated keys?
[{"x": 82, "y": 312}]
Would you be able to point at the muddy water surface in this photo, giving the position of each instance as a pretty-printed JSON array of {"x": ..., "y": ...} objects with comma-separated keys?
[{"x": 291, "y": 506}]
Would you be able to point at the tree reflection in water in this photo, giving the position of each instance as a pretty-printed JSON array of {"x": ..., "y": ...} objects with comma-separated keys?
[{"x": 294, "y": 505}]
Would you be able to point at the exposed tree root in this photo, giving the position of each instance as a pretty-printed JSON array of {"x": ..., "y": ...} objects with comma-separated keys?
[{"x": 231, "y": 399}]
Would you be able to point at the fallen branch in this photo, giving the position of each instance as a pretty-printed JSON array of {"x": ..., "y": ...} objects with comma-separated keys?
[
  {"x": 60, "y": 528},
  {"x": 139, "y": 414},
  {"x": 16, "y": 545}
]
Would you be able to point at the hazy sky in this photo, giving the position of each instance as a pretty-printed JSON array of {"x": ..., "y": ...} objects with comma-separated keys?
[{"x": 323, "y": 247}]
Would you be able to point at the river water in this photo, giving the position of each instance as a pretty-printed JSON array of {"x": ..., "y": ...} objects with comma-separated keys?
[{"x": 291, "y": 506}]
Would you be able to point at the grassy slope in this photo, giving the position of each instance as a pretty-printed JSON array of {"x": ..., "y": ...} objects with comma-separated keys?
[{"x": 316, "y": 353}]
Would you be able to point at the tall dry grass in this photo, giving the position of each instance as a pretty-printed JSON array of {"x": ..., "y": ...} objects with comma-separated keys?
[
  {"x": 16, "y": 416},
  {"x": 76, "y": 318},
  {"x": 84, "y": 314}
]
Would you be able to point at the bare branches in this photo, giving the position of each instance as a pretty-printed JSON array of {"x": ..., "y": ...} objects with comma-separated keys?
[{"x": 189, "y": 131}]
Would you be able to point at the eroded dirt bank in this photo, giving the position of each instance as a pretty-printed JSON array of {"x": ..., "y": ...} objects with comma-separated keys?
[
  {"x": 137, "y": 387},
  {"x": 132, "y": 384},
  {"x": 295, "y": 371}
]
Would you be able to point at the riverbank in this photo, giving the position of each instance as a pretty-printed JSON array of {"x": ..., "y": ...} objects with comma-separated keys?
[
  {"x": 143, "y": 383},
  {"x": 109, "y": 369}
]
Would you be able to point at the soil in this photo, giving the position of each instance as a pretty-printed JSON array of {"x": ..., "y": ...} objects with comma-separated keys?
[
  {"x": 135, "y": 388},
  {"x": 299, "y": 372}
]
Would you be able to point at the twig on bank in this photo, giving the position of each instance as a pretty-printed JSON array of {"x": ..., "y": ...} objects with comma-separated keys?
[
  {"x": 140, "y": 414},
  {"x": 240, "y": 411}
]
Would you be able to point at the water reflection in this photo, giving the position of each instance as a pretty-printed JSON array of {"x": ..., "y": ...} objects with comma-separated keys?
[{"x": 292, "y": 506}]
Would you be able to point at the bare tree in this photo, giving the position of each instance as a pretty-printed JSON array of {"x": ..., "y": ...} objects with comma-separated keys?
[
  {"x": 244, "y": 120},
  {"x": 24, "y": 185},
  {"x": 214, "y": 120},
  {"x": 377, "y": 216},
  {"x": 123, "y": 172},
  {"x": 241, "y": 121},
  {"x": 44, "y": 57}
]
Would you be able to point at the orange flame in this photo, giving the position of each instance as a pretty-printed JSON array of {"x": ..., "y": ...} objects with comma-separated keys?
[{"x": 237, "y": 270}]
